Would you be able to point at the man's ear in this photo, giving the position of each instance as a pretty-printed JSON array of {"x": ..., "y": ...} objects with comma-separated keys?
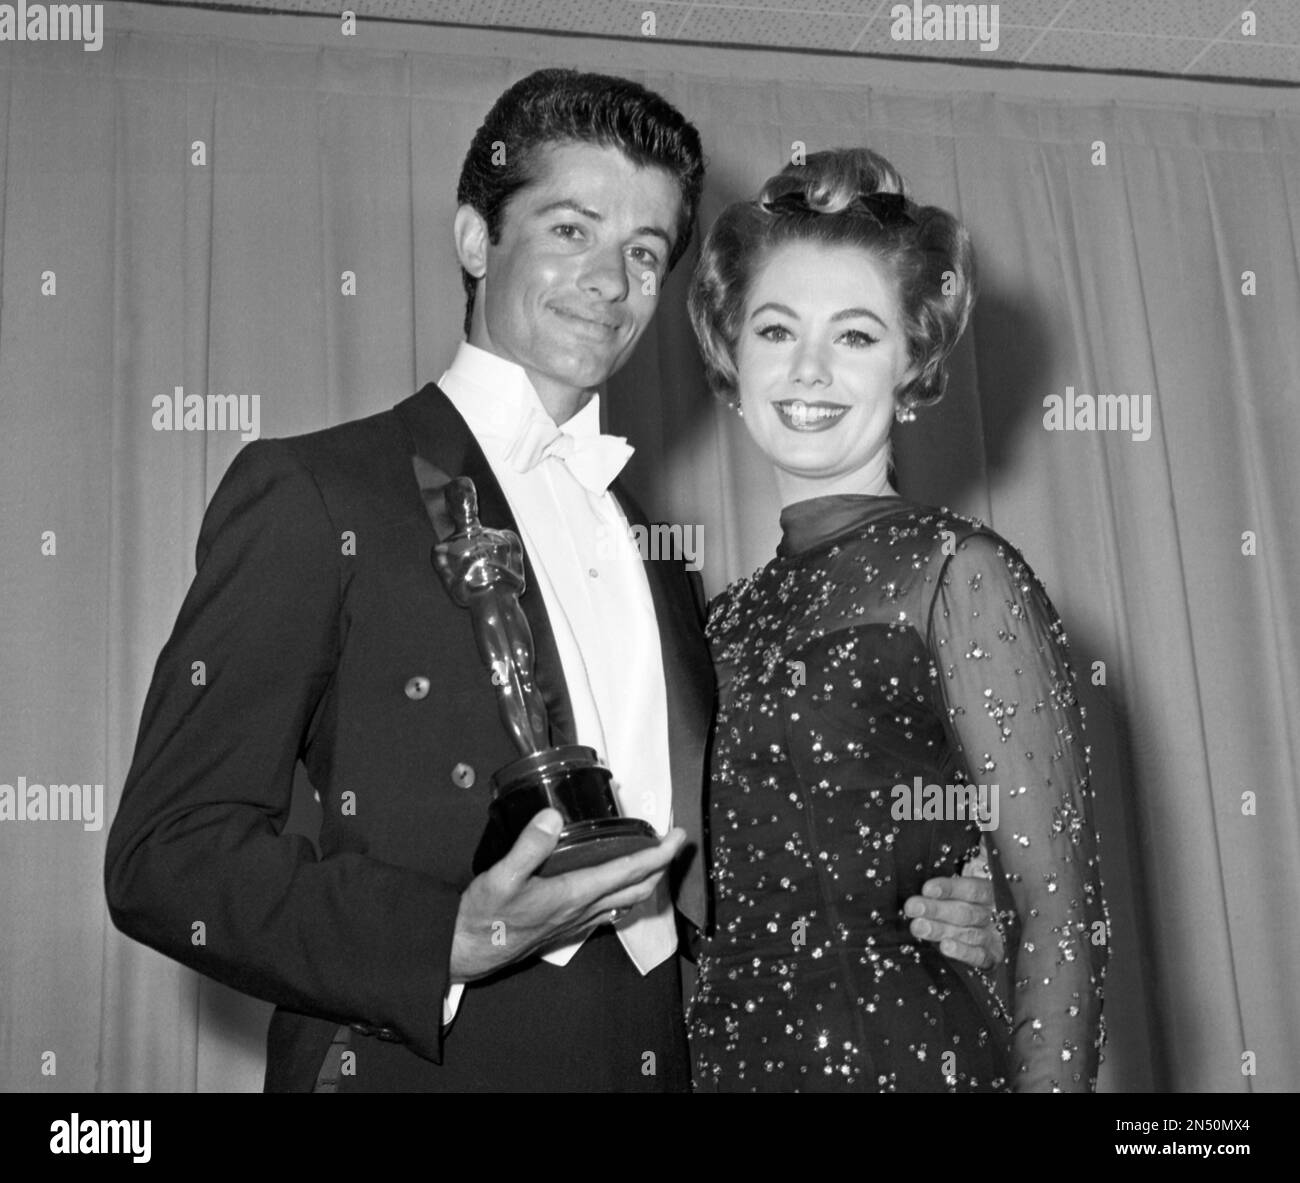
[{"x": 470, "y": 229}]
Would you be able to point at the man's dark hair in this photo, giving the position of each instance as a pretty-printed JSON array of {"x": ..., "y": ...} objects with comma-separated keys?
[{"x": 564, "y": 106}]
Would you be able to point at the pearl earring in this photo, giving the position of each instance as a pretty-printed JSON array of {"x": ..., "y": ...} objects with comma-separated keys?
[{"x": 904, "y": 413}]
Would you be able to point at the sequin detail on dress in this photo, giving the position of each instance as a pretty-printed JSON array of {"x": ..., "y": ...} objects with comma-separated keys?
[{"x": 888, "y": 642}]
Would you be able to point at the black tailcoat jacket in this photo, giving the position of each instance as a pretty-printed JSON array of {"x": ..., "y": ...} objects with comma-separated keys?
[{"x": 316, "y": 629}]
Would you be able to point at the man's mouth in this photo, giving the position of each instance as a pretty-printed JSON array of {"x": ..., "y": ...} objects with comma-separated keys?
[
  {"x": 802, "y": 416},
  {"x": 593, "y": 324}
]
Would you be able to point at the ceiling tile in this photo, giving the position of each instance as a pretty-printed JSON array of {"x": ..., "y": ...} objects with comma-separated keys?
[
  {"x": 1202, "y": 19},
  {"x": 809, "y": 29},
  {"x": 1114, "y": 51},
  {"x": 1170, "y": 37},
  {"x": 1236, "y": 59}
]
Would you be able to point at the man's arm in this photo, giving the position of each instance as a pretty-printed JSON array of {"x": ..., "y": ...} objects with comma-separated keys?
[{"x": 196, "y": 864}]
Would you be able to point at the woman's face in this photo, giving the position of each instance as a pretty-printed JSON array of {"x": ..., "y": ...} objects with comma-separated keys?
[{"x": 820, "y": 354}]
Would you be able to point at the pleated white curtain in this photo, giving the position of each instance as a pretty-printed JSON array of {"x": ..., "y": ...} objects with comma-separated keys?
[{"x": 133, "y": 265}]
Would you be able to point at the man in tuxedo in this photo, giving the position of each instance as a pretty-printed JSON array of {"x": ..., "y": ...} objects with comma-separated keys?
[{"x": 327, "y": 637}]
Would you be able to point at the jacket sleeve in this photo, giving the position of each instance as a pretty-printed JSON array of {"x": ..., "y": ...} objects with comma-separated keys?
[{"x": 197, "y": 865}]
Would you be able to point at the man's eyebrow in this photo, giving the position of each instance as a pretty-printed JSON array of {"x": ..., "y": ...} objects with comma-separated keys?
[
  {"x": 568, "y": 203},
  {"x": 843, "y": 314}
]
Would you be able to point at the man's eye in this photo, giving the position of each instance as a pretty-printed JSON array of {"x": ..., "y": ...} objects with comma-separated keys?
[
  {"x": 858, "y": 339},
  {"x": 568, "y": 230},
  {"x": 774, "y": 332}
]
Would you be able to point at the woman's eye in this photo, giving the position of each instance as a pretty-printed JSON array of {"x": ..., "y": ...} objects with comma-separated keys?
[
  {"x": 774, "y": 333},
  {"x": 645, "y": 255},
  {"x": 568, "y": 230},
  {"x": 858, "y": 339}
]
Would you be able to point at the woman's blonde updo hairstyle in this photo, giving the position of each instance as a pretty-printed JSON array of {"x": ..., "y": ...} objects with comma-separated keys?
[{"x": 839, "y": 197}]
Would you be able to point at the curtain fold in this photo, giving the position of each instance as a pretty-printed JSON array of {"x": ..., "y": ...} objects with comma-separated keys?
[{"x": 307, "y": 259}]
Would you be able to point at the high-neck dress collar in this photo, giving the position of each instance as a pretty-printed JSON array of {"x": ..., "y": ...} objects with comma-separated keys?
[{"x": 806, "y": 525}]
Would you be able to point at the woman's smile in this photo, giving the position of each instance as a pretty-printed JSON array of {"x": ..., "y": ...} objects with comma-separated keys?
[{"x": 799, "y": 415}]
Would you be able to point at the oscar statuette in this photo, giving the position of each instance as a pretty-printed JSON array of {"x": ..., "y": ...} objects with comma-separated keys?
[{"x": 483, "y": 570}]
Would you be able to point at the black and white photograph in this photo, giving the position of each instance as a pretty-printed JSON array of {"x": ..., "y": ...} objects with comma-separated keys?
[{"x": 600, "y": 547}]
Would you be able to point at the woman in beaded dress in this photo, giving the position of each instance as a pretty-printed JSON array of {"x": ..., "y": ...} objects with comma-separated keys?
[{"x": 888, "y": 657}]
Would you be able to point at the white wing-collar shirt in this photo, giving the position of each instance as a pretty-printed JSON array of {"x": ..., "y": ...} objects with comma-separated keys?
[{"x": 592, "y": 580}]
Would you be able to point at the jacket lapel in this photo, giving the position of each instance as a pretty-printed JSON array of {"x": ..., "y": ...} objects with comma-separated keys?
[
  {"x": 443, "y": 447},
  {"x": 688, "y": 678}
]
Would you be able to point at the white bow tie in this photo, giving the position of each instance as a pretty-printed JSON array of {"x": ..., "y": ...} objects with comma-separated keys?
[{"x": 594, "y": 460}]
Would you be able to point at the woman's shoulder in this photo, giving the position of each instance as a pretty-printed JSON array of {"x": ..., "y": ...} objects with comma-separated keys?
[
  {"x": 920, "y": 531},
  {"x": 982, "y": 572},
  {"x": 938, "y": 551},
  {"x": 969, "y": 545}
]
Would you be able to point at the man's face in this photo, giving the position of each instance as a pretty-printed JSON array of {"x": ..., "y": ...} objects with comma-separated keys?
[{"x": 575, "y": 278}]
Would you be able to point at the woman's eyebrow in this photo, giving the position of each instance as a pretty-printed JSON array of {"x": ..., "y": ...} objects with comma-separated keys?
[
  {"x": 848, "y": 313},
  {"x": 773, "y": 306},
  {"x": 843, "y": 314}
]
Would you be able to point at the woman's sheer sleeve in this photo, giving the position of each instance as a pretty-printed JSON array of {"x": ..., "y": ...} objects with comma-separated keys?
[{"x": 1000, "y": 651}]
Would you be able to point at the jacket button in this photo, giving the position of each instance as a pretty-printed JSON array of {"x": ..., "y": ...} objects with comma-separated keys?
[
  {"x": 417, "y": 688},
  {"x": 463, "y": 776}
]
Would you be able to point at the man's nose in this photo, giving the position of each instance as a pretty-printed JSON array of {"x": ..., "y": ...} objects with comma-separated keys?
[{"x": 605, "y": 274}]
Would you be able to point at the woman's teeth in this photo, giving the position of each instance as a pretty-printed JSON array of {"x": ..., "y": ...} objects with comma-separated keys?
[{"x": 801, "y": 414}]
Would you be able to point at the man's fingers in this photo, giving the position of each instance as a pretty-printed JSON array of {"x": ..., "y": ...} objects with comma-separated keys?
[
  {"x": 976, "y": 891},
  {"x": 531, "y": 849},
  {"x": 996, "y": 949},
  {"x": 590, "y": 884},
  {"x": 936, "y": 930},
  {"x": 608, "y": 909},
  {"x": 954, "y": 912},
  {"x": 970, "y": 954},
  {"x": 961, "y": 944},
  {"x": 958, "y": 913},
  {"x": 629, "y": 897},
  {"x": 560, "y": 908}
]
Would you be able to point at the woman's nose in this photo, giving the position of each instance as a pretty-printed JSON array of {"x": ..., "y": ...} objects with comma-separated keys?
[{"x": 809, "y": 366}]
